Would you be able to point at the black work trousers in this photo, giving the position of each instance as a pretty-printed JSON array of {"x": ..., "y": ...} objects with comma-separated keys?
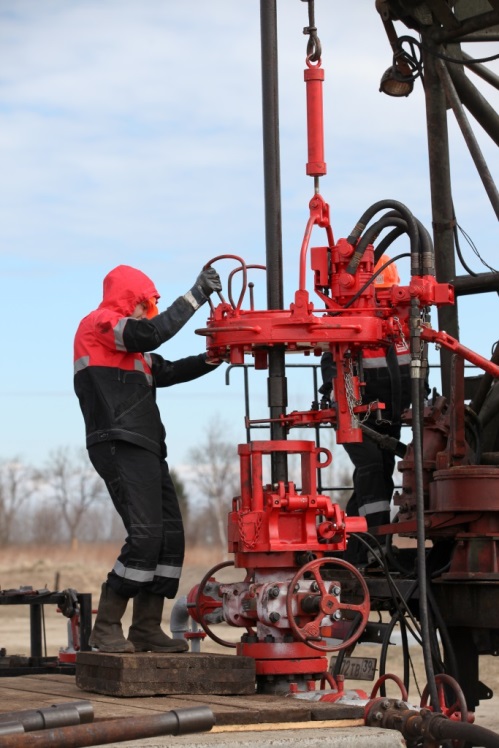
[
  {"x": 372, "y": 488},
  {"x": 144, "y": 496},
  {"x": 373, "y": 466}
]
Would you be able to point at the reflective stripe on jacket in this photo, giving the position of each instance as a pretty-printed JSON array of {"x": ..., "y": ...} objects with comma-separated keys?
[{"x": 115, "y": 375}]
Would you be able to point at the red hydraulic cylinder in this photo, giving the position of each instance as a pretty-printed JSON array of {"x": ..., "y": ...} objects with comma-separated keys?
[{"x": 314, "y": 78}]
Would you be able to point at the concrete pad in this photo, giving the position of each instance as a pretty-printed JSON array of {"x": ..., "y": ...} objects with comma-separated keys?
[{"x": 294, "y": 737}]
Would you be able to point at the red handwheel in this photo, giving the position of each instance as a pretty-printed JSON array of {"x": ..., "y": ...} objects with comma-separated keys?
[{"x": 329, "y": 605}]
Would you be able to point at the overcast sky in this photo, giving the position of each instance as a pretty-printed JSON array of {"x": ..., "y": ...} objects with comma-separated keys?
[{"x": 130, "y": 133}]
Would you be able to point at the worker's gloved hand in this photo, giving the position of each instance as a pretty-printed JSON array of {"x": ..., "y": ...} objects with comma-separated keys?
[
  {"x": 208, "y": 281},
  {"x": 215, "y": 359}
]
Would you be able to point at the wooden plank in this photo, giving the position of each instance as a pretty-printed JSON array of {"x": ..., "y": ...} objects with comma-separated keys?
[
  {"x": 151, "y": 674},
  {"x": 28, "y": 692},
  {"x": 154, "y": 661},
  {"x": 271, "y": 726}
]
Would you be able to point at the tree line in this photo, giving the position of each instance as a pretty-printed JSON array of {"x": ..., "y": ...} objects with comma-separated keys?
[{"x": 66, "y": 501}]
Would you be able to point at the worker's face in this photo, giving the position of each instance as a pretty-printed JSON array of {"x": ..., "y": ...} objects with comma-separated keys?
[{"x": 140, "y": 311}]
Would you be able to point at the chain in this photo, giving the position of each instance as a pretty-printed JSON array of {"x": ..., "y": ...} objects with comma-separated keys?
[
  {"x": 353, "y": 402},
  {"x": 249, "y": 544},
  {"x": 350, "y": 393},
  {"x": 314, "y": 49},
  {"x": 401, "y": 331}
]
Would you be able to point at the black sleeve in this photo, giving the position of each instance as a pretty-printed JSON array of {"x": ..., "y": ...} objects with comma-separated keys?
[
  {"x": 166, "y": 373},
  {"x": 328, "y": 371},
  {"x": 142, "y": 335}
]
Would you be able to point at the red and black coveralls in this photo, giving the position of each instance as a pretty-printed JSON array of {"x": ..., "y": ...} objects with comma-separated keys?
[
  {"x": 115, "y": 379},
  {"x": 386, "y": 373}
]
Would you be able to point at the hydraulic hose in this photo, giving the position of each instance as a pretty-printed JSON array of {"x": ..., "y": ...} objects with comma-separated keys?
[
  {"x": 417, "y": 259},
  {"x": 372, "y": 233},
  {"x": 388, "y": 240}
]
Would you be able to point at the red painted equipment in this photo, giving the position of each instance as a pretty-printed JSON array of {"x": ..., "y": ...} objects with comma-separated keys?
[
  {"x": 289, "y": 611},
  {"x": 284, "y": 536}
]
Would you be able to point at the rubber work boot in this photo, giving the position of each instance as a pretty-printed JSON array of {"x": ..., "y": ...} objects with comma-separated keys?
[
  {"x": 145, "y": 632},
  {"x": 107, "y": 634}
]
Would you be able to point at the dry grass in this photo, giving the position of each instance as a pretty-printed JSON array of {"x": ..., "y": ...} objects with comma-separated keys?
[
  {"x": 82, "y": 567},
  {"x": 85, "y": 567}
]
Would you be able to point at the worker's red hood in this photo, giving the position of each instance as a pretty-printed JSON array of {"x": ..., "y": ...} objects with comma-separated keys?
[{"x": 124, "y": 288}]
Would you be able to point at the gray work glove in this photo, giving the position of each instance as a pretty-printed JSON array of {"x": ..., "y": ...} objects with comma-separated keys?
[{"x": 208, "y": 281}]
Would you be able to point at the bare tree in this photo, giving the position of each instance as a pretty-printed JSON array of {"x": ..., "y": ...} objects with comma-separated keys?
[
  {"x": 215, "y": 473},
  {"x": 181, "y": 492},
  {"x": 18, "y": 483},
  {"x": 44, "y": 518},
  {"x": 74, "y": 486}
]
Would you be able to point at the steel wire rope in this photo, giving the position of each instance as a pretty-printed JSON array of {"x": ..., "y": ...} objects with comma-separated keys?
[
  {"x": 406, "y": 658},
  {"x": 475, "y": 250},
  {"x": 399, "y": 614},
  {"x": 395, "y": 592},
  {"x": 397, "y": 598},
  {"x": 401, "y": 610}
]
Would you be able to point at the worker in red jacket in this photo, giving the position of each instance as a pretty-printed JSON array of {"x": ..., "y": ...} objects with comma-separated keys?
[
  {"x": 386, "y": 373},
  {"x": 115, "y": 379}
]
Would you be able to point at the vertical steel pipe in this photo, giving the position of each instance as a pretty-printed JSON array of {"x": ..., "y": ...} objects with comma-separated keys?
[
  {"x": 441, "y": 202},
  {"x": 277, "y": 395}
]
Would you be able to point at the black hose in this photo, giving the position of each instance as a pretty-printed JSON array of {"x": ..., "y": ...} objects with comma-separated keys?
[
  {"x": 417, "y": 265},
  {"x": 371, "y": 234},
  {"x": 449, "y": 654},
  {"x": 426, "y": 244},
  {"x": 387, "y": 241},
  {"x": 474, "y": 735},
  {"x": 396, "y": 617}
]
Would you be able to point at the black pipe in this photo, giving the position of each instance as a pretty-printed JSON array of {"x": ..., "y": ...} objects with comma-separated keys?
[
  {"x": 441, "y": 204},
  {"x": 473, "y": 735},
  {"x": 468, "y": 134},
  {"x": 483, "y": 72},
  {"x": 465, "y": 285},
  {"x": 277, "y": 389},
  {"x": 468, "y": 26},
  {"x": 57, "y": 715},
  {"x": 475, "y": 102},
  {"x": 175, "y": 722},
  {"x": 384, "y": 441}
]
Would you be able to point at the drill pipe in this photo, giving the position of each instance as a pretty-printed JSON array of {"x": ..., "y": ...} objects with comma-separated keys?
[
  {"x": 56, "y": 715},
  {"x": 434, "y": 728},
  {"x": 175, "y": 722}
]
